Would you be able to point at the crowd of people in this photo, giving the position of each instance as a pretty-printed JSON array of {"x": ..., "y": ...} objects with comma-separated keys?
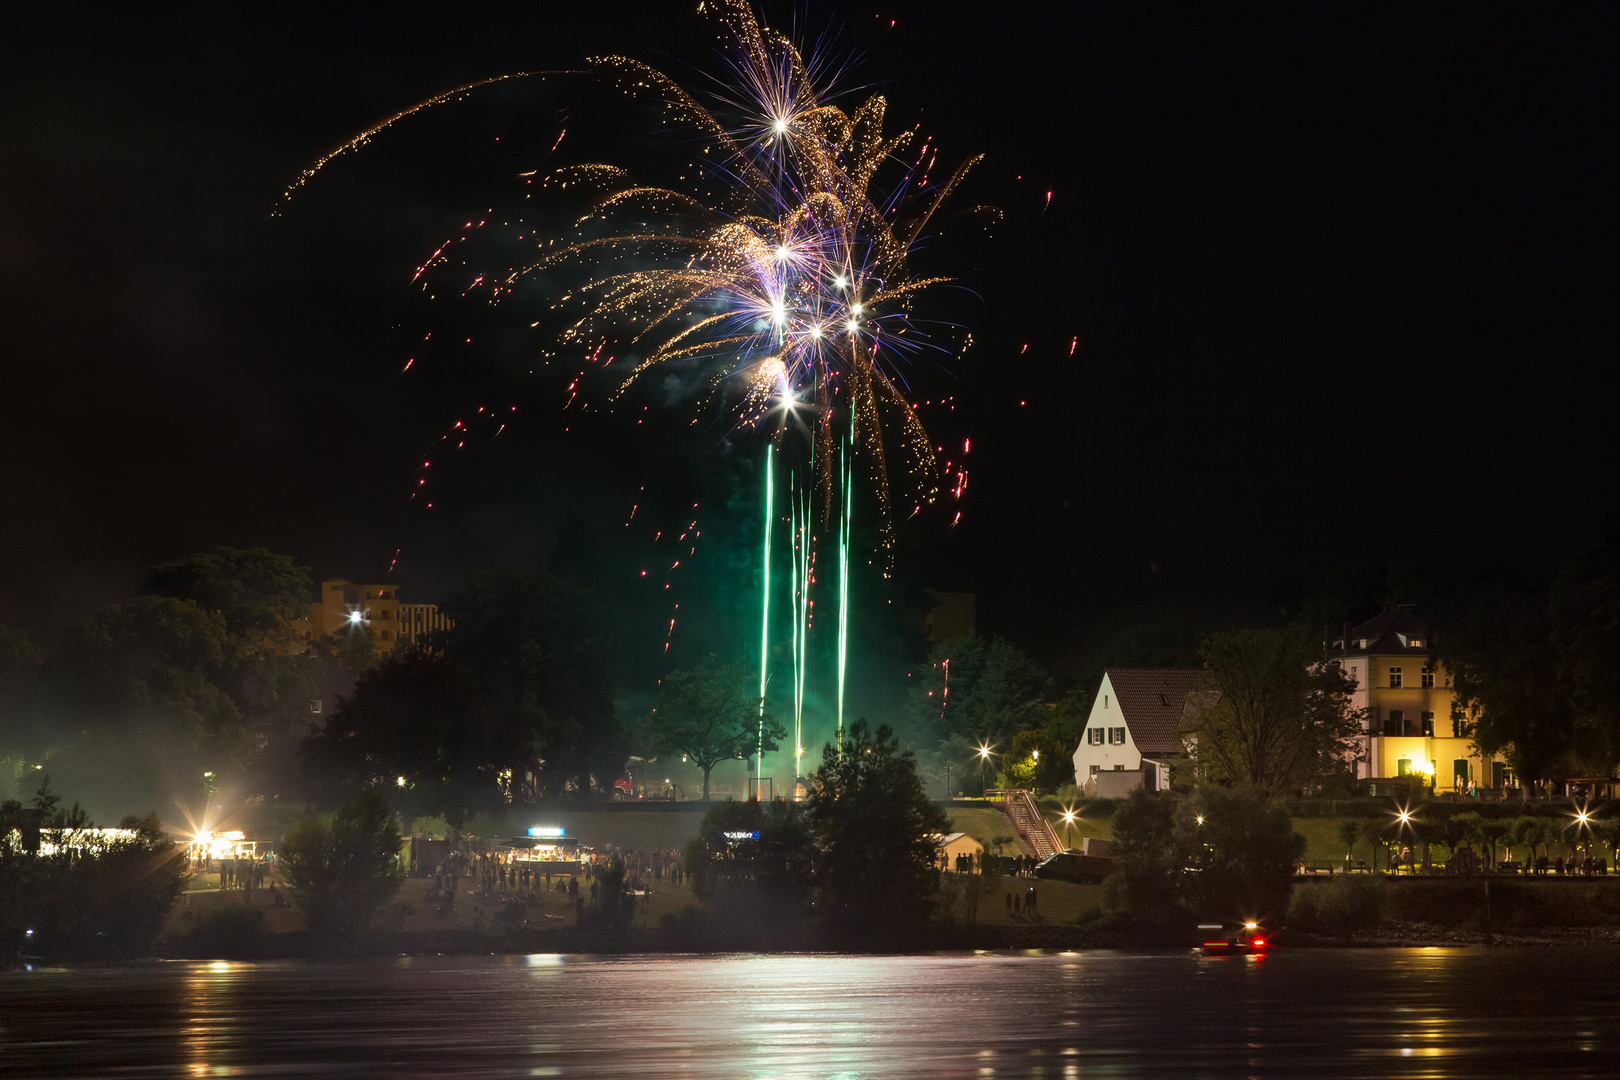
[{"x": 508, "y": 877}]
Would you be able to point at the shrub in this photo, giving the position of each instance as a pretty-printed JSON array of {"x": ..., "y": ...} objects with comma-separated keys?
[
  {"x": 1348, "y": 904},
  {"x": 340, "y": 875},
  {"x": 98, "y": 904}
]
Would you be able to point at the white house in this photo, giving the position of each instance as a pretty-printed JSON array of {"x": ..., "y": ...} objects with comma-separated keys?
[{"x": 1132, "y": 730}]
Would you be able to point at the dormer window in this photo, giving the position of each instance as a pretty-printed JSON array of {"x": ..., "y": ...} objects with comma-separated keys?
[{"x": 1164, "y": 699}]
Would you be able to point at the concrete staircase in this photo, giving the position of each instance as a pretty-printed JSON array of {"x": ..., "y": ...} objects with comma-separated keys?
[{"x": 1028, "y": 822}]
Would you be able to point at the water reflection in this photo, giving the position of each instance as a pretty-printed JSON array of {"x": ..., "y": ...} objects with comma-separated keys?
[{"x": 1326, "y": 1014}]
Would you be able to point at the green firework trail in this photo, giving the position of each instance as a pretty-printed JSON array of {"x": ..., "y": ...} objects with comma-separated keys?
[{"x": 765, "y": 617}]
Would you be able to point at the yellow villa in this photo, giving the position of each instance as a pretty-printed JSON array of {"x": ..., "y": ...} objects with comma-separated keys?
[{"x": 1413, "y": 729}]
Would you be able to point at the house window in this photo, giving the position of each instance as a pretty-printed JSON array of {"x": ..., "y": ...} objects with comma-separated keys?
[
  {"x": 1460, "y": 728},
  {"x": 1095, "y": 769},
  {"x": 1428, "y": 725},
  {"x": 1105, "y": 701},
  {"x": 382, "y": 636},
  {"x": 1116, "y": 736},
  {"x": 1094, "y": 736},
  {"x": 314, "y": 705},
  {"x": 1428, "y": 677},
  {"x": 1119, "y": 768},
  {"x": 1394, "y": 678},
  {"x": 1403, "y": 766},
  {"x": 1396, "y": 724}
]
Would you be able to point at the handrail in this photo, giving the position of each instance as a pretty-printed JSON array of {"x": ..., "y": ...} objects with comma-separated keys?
[{"x": 1024, "y": 798}]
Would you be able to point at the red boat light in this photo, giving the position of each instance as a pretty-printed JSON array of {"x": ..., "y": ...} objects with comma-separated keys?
[{"x": 1259, "y": 943}]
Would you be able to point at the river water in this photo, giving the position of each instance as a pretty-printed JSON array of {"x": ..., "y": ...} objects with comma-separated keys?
[{"x": 1315, "y": 1013}]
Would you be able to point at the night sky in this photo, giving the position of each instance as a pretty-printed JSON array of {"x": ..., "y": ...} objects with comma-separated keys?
[{"x": 1342, "y": 280}]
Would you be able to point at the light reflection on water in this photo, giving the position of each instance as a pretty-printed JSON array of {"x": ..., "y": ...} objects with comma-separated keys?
[{"x": 1320, "y": 1013}]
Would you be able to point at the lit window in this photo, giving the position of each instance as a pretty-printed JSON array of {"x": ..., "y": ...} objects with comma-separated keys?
[
  {"x": 1403, "y": 767},
  {"x": 1394, "y": 678}
]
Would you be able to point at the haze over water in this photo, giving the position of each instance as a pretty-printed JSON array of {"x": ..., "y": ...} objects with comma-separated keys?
[{"x": 1318, "y": 1013}]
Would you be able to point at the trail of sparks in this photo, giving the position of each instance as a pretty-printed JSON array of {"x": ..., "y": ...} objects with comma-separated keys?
[{"x": 367, "y": 135}]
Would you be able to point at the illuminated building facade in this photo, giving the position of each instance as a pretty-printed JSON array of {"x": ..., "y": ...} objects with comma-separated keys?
[
  {"x": 344, "y": 607},
  {"x": 1131, "y": 738},
  {"x": 1413, "y": 728}
]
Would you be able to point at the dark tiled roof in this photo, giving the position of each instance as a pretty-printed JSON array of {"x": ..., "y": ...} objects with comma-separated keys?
[
  {"x": 1151, "y": 700},
  {"x": 1389, "y": 633}
]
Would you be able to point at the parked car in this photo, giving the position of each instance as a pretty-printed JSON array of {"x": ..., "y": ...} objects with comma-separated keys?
[{"x": 1074, "y": 867}]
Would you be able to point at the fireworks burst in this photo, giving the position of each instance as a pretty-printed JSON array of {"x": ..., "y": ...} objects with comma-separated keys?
[
  {"x": 792, "y": 290},
  {"x": 781, "y": 279}
]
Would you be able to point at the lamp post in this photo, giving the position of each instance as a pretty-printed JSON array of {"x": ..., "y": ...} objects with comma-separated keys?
[{"x": 1068, "y": 820}]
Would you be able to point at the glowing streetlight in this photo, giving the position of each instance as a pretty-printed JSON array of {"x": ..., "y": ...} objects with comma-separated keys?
[
  {"x": 1200, "y": 819},
  {"x": 1068, "y": 821}
]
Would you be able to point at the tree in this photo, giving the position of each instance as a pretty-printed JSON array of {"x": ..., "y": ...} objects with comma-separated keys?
[
  {"x": 976, "y": 688},
  {"x": 542, "y": 647},
  {"x": 1276, "y": 714},
  {"x": 1533, "y": 659},
  {"x": 341, "y": 874},
  {"x": 1240, "y": 851},
  {"x": 1492, "y": 831},
  {"x": 1349, "y": 833},
  {"x": 754, "y": 863},
  {"x": 258, "y": 593},
  {"x": 876, "y": 874},
  {"x": 91, "y": 899},
  {"x": 1038, "y": 760},
  {"x": 708, "y": 714},
  {"x": 1221, "y": 852},
  {"x": 23, "y": 733},
  {"x": 141, "y": 713},
  {"x": 609, "y": 912},
  {"x": 419, "y": 726},
  {"x": 1147, "y": 864}
]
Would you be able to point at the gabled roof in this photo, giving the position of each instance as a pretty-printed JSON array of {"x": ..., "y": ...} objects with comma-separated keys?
[
  {"x": 1391, "y": 634},
  {"x": 1151, "y": 700}
]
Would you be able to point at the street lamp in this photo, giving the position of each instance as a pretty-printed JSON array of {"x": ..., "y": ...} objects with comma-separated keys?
[{"x": 1068, "y": 820}]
